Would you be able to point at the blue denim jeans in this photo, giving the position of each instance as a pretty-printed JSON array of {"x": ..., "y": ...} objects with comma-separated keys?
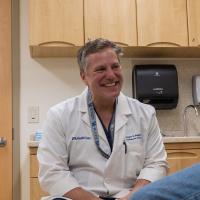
[{"x": 183, "y": 185}]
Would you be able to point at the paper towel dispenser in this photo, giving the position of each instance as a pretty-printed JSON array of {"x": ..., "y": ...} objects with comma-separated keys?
[{"x": 156, "y": 85}]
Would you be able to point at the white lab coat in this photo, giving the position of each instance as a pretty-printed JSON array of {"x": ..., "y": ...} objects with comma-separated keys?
[{"x": 68, "y": 156}]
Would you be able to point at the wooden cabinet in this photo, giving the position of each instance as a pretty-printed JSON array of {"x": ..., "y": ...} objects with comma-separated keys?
[
  {"x": 182, "y": 155},
  {"x": 35, "y": 191},
  {"x": 193, "y": 9},
  {"x": 113, "y": 19},
  {"x": 58, "y": 28},
  {"x": 53, "y": 24},
  {"x": 162, "y": 23}
]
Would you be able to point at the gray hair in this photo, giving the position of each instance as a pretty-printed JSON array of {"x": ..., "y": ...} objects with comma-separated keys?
[{"x": 95, "y": 46}]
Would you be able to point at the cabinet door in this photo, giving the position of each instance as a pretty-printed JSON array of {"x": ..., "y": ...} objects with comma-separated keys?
[
  {"x": 35, "y": 191},
  {"x": 34, "y": 168},
  {"x": 193, "y": 7},
  {"x": 56, "y": 22},
  {"x": 180, "y": 159},
  {"x": 162, "y": 23},
  {"x": 114, "y": 20}
]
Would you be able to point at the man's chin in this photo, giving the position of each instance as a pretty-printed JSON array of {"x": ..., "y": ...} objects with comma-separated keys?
[{"x": 112, "y": 95}]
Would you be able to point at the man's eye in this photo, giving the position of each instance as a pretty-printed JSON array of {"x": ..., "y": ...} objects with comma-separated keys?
[
  {"x": 116, "y": 66},
  {"x": 100, "y": 69}
]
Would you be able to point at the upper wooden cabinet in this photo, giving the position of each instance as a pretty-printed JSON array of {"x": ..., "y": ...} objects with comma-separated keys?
[
  {"x": 162, "y": 23},
  {"x": 55, "y": 23},
  {"x": 60, "y": 27},
  {"x": 193, "y": 8},
  {"x": 113, "y": 19}
]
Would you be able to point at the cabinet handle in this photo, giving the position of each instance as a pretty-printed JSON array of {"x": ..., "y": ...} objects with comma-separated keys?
[
  {"x": 183, "y": 154},
  {"x": 121, "y": 44},
  {"x": 3, "y": 142},
  {"x": 171, "y": 44},
  {"x": 54, "y": 43}
]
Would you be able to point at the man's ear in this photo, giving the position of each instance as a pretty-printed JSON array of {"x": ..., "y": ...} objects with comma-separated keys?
[{"x": 83, "y": 77}]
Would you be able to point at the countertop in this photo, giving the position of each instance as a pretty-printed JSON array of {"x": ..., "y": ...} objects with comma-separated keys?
[
  {"x": 181, "y": 139},
  {"x": 165, "y": 140},
  {"x": 33, "y": 143}
]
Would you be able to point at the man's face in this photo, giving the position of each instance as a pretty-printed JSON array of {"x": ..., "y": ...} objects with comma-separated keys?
[{"x": 103, "y": 75}]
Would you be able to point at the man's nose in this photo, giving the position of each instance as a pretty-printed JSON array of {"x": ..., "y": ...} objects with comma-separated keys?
[{"x": 110, "y": 72}]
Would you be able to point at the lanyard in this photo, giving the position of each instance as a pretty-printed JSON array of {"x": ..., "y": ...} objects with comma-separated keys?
[{"x": 93, "y": 124}]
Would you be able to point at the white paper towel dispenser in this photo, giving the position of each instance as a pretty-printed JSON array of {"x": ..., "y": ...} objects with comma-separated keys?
[
  {"x": 156, "y": 85},
  {"x": 196, "y": 89}
]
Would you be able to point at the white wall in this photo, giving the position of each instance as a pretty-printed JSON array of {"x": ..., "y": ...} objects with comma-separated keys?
[{"x": 47, "y": 81}]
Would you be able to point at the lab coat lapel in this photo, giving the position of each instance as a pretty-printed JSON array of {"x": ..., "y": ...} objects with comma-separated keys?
[
  {"x": 122, "y": 112},
  {"x": 85, "y": 118},
  {"x": 122, "y": 115},
  {"x": 102, "y": 135},
  {"x": 83, "y": 108}
]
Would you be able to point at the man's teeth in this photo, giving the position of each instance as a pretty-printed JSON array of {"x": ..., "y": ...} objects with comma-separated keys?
[{"x": 110, "y": 84}]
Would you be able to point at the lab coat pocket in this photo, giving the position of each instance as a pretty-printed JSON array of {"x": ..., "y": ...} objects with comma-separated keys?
[{"x": 133, "y": 159}]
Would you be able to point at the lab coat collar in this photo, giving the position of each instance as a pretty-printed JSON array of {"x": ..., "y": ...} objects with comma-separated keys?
[{"x": 122, "y": 110}]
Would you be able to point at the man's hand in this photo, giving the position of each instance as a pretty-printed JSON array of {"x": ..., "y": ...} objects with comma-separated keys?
[
  {"x": 80, "y": 194},
  {"x": 138, "y": 185},
  {"x": 127, "y": 196}
]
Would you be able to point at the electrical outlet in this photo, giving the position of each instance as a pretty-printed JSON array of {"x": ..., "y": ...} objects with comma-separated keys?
[{"x": 33, "y": 114}]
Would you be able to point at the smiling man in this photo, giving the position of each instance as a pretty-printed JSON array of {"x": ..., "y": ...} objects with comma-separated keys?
[{"x": 100, "y": 144}]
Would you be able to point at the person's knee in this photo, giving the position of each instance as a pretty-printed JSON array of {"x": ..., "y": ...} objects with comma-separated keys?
[{"x": 152, "y": 191}]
